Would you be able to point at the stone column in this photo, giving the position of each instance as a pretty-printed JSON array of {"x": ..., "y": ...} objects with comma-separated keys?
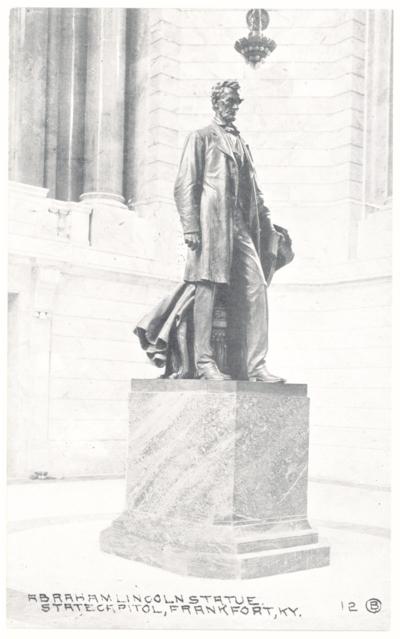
[
  {"x": 379, "y": 73},
  {"x": 105, "y": 99},
  {"x": 53, "y": 71},
  {"x": 137, "y": 140},
  {"x": 71, "y": 104},
  {"x": 28, "y": 75}
]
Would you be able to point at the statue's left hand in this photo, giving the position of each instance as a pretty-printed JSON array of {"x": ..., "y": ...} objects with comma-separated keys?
[{"x": 193, "y": 241}]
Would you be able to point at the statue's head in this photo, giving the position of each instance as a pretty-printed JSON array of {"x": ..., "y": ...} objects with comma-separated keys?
[{"x": 225, "y": 99}]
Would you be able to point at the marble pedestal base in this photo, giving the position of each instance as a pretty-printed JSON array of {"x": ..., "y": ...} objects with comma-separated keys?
[{"x": 217, "y": 480}]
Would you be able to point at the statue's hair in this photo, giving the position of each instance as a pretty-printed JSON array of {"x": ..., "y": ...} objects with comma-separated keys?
[{"x": 218, "y": 89}]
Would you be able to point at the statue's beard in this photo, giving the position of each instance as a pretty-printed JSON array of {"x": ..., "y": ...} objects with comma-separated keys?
[{"x": 226, "y": 115}]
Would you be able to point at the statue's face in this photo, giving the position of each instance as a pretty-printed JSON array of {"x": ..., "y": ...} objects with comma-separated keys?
[{"x": 228, "y": 105}]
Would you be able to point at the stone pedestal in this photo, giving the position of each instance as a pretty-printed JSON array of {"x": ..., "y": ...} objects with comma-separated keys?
[{"x": 217, "y": 480}]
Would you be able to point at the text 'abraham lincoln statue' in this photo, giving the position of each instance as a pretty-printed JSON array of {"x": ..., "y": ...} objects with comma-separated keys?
[{"x": 234, "y": 250}]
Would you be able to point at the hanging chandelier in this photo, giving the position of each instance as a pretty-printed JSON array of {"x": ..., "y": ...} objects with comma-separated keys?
[{"x": 256, "y": 47}]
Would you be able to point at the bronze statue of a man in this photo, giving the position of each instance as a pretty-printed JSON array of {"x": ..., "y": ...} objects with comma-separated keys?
[{"x": 223, "y": 216}]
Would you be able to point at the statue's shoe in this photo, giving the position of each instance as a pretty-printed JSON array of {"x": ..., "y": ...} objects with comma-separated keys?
[
  {"x": 211, "y": 371},
  {"x": 263, "y": 375}
]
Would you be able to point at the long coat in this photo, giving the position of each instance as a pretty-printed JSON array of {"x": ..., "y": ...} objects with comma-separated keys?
[{"x": 207, "y": 191}]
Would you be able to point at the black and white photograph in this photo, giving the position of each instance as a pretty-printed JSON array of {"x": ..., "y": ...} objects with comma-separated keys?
[{"x": 199, "y": 346}]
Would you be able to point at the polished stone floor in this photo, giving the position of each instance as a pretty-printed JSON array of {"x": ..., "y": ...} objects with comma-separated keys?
[{"x": 53, "y": 547}]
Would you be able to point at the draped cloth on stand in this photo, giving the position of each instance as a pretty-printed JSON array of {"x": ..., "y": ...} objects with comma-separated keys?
[{"x": 166, "y": 332}]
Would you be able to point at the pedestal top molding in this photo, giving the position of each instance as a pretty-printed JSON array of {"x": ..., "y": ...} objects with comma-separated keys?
[{"x": 205, "y": 386}]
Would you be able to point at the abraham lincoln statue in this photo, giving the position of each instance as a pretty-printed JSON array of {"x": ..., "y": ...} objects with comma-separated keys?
[{"x": 215, "y": 325}]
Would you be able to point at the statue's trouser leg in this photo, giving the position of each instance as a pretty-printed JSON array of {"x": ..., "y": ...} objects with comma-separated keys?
[
  {"x": 249, "y": 287},
  {"x": 203, "y": 320}
]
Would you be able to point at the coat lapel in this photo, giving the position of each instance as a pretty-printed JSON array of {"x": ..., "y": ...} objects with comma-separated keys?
[
  {"x": 248, "y": 155},
  {"x": 222, "y": 141}
]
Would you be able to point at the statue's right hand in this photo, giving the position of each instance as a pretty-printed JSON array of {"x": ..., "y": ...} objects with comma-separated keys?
[{"x": 193, "y": 240}]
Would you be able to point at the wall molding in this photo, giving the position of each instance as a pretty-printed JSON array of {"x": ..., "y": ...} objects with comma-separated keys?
[{"x": 349, "y": 484}]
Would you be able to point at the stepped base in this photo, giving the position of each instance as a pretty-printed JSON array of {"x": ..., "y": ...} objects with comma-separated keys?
[{"x": 259, "y": 557}]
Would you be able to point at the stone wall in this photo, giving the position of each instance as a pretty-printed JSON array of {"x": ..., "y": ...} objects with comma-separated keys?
[
  {"x": 72, "y": 307},
  {"x": 316, "y": 117}
]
